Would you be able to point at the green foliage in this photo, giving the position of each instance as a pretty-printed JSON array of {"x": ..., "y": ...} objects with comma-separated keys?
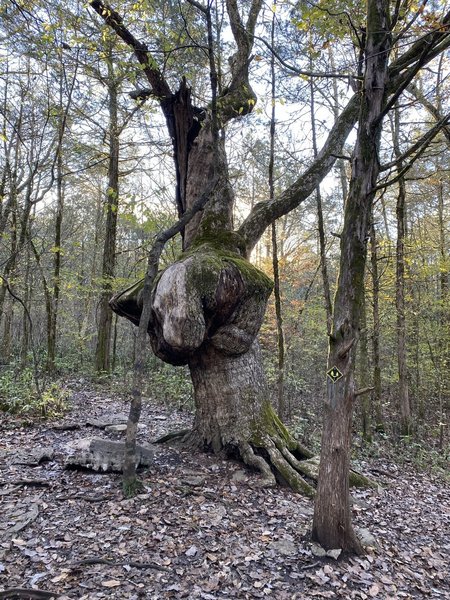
[
  {"x": 424, "y": 452},
  {"x": 170, "y": 385},
  {"x": 18, "y": 395}
]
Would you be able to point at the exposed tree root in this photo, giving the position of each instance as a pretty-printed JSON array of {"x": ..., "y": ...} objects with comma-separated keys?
[
  {"x": 272, "y": 451},
  {"x": 257, "y": 462},
  {"x": 279, "y": 460},
  {"x": 310, "y": 468},
  {"x": 173, "y": 436}
]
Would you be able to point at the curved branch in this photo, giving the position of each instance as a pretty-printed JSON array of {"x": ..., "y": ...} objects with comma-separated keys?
[
  {"x": 112, "y": 18},
  {"x": 264, "y": 213},
  {"x": 422, "y": 142}
]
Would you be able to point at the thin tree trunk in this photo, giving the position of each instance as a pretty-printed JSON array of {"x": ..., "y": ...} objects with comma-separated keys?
[
  {"x": 320, "y": 224},
  {"x": 444, "y": 305},
  {"x": 336, "y": 112},
  {"x": 275, "y": 262},
  {"x": 363, "y": 375},
  {"x": 114, "y": 345},
  {"x": 332, "y": 526},
  {"x": 7, "y": 332},
  {"x": 281, "y": 406},
  {"x": 104, "y": 328},
  {"x": 57, "y": 259},
  {"x": 25, "y": 342},
  {"x": 57, "y": 249},
  {"x": 12, "y": 259},
  {"x": 376, "y": 394},
  {"x": 403, "y": 391}
]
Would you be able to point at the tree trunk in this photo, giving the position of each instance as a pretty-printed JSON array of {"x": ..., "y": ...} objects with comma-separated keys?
[
  {"x": 336, "y": 110},
  {"x": 229, "y": 394},
  {"x": 281, "y": 404},
  {"x": 332, "y": 526},
  {"x": 7, "y": 332},
  {"x": 320, "y": 223},
  {"x": 53, "y": 314},
  {"x": 444, "y": 343},
  {"x": 104, "y": 323},
  {"x": 25, "y": 342},
  {"x": 403, "y": 392},
  {"x": 363, "y": 372},
  {"x": 57, "y": 249},
  {"x": 281, "y": 407},
  {"x": 376, "y": 396}
]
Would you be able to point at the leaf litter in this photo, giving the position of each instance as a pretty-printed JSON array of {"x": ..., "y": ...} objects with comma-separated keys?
[{"x": 202, "y": 528}]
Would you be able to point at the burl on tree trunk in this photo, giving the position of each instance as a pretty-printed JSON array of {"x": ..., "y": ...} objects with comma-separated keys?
[{"x": 207, "y": 309}]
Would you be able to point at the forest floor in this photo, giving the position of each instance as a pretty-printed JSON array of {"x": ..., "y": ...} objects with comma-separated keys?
[{"x": 202, "y": 528}]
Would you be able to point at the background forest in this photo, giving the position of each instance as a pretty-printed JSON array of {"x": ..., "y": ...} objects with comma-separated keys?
[{"x": 86, "y": 182}]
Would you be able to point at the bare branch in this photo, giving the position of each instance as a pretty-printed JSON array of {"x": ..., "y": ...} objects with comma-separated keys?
[
  {"x": 421, "y": 143},
  {"x": 264, "y": 213},
  {"x": 430, "y": 107},
  {"x": 112, "y": 18},
  {"x": 313, "y": 74}
]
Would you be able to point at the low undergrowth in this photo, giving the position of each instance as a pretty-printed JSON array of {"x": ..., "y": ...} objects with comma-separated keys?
[{"x": 19, "y": 395}]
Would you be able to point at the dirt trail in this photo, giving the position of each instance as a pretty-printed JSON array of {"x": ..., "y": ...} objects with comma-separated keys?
[{"x": 203, "y": 528}]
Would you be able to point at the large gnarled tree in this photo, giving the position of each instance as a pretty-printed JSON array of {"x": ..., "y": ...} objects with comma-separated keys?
[{"x": 207, "y": 308}]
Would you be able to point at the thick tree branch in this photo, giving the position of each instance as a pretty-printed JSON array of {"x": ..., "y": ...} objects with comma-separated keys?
[
  {"x": 264, "y": 213},
  {"x": 238, "y": 98},
  {"x": 160, "y": 87}
]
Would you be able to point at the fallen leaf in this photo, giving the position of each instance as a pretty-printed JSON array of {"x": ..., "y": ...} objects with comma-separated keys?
[
  {"x": 60, "y": 577},
  {"x": 192, "y": 551},
  {"x": 111, "y": 583}
]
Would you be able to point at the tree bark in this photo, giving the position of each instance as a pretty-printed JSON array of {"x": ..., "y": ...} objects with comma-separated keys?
[
  {"x": 363, "y": 372},
  {"x": 53, "y": 315},
  {"x": 403, "y": 391},
  {"x": 104, "y": 323},
  {"x": 229, "y": 394},
  {"x": 444, "y": 344},
  {"x": 376, "y": 395},
  {"x": 320, "y": 223},
  {"x": 281, "y": 406},
  {"x": 332, "y": 526}
]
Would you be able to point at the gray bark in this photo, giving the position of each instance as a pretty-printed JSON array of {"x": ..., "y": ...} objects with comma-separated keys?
[
  {"x": 104, "y": 326},
  {"x": 403, "y": 391},
  {"x": 332, "y": 526}
]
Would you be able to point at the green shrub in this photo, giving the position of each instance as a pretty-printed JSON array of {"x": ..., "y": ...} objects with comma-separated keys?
[{"x": 18, "y": 395}]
